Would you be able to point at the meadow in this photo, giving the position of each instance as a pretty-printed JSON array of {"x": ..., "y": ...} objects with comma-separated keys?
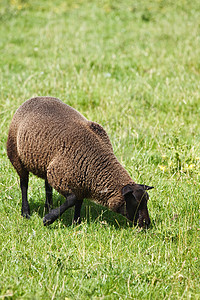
[{"x": 133, "y": 67}]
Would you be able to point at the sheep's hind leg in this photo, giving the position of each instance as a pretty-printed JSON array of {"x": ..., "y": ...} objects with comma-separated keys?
[
  {"x": 49, "y": 201},
  {"x": 57, "y": 212},
  {"x": 24, "y": 189},
  {"x": 77, "y": 212}
]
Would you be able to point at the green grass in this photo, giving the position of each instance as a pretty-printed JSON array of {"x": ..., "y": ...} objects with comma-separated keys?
[{"x": 134, "y": 67}]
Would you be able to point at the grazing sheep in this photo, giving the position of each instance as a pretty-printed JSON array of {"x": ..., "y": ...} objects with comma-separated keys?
[{"x": 74, "y": 156}]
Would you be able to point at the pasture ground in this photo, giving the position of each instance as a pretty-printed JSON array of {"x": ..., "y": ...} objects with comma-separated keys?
[{"x": 133, "y": 67}]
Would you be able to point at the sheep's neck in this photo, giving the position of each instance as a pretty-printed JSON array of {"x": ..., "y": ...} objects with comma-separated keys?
[{"x": 108, "y": 179}]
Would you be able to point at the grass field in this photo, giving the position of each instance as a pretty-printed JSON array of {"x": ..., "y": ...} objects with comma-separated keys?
[{"x": 133, "y": 67}]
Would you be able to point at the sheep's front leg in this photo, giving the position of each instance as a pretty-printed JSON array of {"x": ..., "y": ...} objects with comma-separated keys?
[
  {"x": 77, "y": 212},
  {"x": 57, "y": 212},
  {"x": 24, "y": 189},
  {"x": 49, "y": 201}
]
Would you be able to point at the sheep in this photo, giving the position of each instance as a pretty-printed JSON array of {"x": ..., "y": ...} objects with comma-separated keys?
[{"x": 75, "y": 157}]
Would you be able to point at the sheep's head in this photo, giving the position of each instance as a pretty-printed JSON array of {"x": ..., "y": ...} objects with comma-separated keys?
[{"x": 136, "y": 198}]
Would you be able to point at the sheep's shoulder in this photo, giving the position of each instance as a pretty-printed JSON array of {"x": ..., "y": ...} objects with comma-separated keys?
[{"x": 100, "y": 132}]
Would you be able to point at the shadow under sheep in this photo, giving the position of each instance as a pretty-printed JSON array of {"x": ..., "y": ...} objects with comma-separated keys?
[{"x": 90, "y": 212}]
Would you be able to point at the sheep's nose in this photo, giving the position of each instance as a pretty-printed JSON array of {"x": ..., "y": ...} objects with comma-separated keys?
[
  {"x": 147, "y": 223},
  {"x": 144, "y": 220},
  {"x": 144, "y": 224}
]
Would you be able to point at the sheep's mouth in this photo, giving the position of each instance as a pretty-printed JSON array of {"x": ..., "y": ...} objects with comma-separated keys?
[
  {"x": 139, "y": 217},
  {"x": 143, "y": 219}
]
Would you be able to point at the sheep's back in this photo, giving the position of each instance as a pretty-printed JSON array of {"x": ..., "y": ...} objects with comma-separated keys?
[
  {"x": 41, "y": 128},
  {"x": 46, "y": 127},
  {"x": 48, "y": 108}
]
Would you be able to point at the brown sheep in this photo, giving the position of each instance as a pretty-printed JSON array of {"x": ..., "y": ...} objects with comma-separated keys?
[{"x": 74, "y": 156}]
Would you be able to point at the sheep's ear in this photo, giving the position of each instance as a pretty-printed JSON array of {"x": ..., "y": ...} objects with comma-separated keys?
[
  {"x": 126, "y": 190},
  {"x": 131, "y": 202},
  {"x": 146, "y": 187}
]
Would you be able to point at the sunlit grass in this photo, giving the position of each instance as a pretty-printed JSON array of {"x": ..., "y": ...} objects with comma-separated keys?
[{"x": 134, "y": 68}]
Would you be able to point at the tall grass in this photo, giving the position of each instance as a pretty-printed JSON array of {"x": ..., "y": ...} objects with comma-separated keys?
[{"x": 133, "y": 67}]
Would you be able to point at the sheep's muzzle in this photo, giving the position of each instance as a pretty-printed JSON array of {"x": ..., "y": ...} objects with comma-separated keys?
[{"x": 143, "y": 218}]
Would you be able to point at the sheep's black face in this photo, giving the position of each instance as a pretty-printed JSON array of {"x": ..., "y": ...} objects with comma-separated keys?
[{"x": 136, "y": 198}]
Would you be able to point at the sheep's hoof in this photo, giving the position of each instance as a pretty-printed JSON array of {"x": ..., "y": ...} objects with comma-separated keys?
[
  {"x": 77, "y": 221},
  {"x": 48, "y": 219},
  {"x": 26, "y": 215}
]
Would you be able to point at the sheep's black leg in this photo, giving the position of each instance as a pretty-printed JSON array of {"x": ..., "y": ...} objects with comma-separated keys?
[
  {"x": 49, "y": 201},
  {"x": 57, "y": 212},
  {"x": 24, "y": 189},
  {"x": 77, "y": 212}
]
